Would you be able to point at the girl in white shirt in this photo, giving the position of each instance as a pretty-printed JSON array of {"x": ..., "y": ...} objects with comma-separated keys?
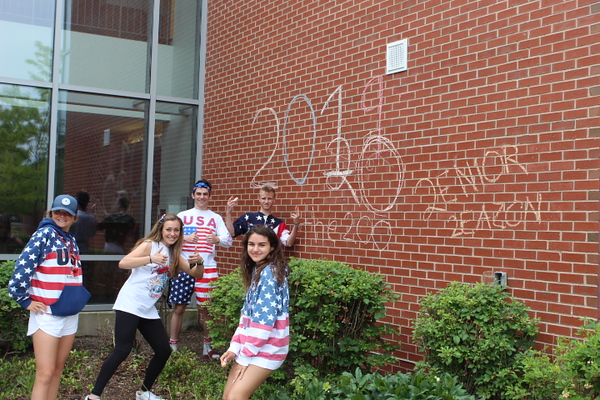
[{"x": 153, "y": 259}]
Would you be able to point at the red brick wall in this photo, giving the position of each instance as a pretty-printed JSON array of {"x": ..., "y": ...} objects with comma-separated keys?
[{"x": 481, "y": 157}]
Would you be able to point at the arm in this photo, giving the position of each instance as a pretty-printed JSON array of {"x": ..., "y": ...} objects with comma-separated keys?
[
  {"x": 141, "y": 256},
  {"x": 191, "y": 238},
  {"x": 30, "y": 259},
  {"x": 263, "y": 320},
  {"x": 196, "y": 269},
  {"x": 292, "y": 234},
  {"x": 228, "y": 218},
  {"x": 25, "y": 267},
  {"x": 221, "y": 235},
  {"x": 235, "y": 346}
]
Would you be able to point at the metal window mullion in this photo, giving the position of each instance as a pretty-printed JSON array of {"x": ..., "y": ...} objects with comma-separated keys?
[
  {"x": 201, "y": 87},
  {"x": 56, "y": 61},
  {"x": 152, "y": 115}
]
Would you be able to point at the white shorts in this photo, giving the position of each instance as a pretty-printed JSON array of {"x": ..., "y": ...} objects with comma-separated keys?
[{"x": 52, "y": 324}]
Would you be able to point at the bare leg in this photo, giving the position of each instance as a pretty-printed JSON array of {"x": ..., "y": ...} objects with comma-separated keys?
[
  {"x": 202, "y": 318},
  {"x": 240, "y": 386},
  {"x": 51, "y": 353},
  {"x": 177, "y": 320}
]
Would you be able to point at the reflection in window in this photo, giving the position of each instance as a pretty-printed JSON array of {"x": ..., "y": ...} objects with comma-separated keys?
[
  {"x": 102, "y": 151},
  {"x": 119, "y": 19},
  {"x": 106, "y": 44},
  {"x": 26, "y": 29},
  {"x": 178, "y": 49},
  {"x": 103, "y": 279},
  {"x": 24, "y": 134},
  {"x": 174, "y": 148}
]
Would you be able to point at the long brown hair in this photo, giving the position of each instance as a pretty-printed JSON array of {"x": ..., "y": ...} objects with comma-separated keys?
[
  {"x": 155, "y": 235},
  {"x": 275, "y": 258}
]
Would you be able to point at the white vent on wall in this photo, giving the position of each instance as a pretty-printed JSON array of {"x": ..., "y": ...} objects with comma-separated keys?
[{"x": 397, "y": 57}]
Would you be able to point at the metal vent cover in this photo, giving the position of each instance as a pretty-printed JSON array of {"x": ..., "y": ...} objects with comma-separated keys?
[{"x": 396, "y": 57}]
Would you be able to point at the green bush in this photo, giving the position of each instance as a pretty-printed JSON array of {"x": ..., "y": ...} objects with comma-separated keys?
[
  {"x": 13, "y": 318},
  {"x": 536, "y": 378},
  {"x": 476, "y": 333},
  {"x": 77, "y": 371},
  {"x": 359, "y": 386},
  {"x": 334, "y": 315},
  {"x": 16, "y": 377},
  {"x": 224, "y": 308},
  {"x": 185, "y": 377},
  {"x": 573, "y": 372}
]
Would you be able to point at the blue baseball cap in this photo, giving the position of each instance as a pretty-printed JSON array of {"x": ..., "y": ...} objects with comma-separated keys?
[{"x": 66, "y": 203}]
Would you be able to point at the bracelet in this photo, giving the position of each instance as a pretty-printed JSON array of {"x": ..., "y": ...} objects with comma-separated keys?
[{"x": 150, "y": 257}]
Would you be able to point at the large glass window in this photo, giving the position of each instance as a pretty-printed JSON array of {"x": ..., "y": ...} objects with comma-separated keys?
[
  {"x": 174, "y": 148},
  {"x": 178, "y": 49},
  {"x": 106, "y": 44},
  {"x": 24, "y": 133},
  {"x": 123, "y": 141},
  {"x": 27, "y": 31},
  {"x": 102, "y": 150}
]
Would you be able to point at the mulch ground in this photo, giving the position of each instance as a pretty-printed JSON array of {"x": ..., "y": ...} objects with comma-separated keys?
[{"x": 127, "y": 379}]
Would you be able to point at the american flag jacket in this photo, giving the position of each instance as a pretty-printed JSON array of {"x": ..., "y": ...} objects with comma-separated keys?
[
  {"x": 250, "y": 219},
  {"x": 263, "y": 335},
  {"x": 49, "y": 262}
]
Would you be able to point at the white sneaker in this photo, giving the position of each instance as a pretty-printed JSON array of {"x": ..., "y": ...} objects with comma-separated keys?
[
  {"x": 147, "y": 395},
  {"x": 209, "y": 353},
  {"x": 173, "y": 346},
  {"x": 88, "y": 397}
]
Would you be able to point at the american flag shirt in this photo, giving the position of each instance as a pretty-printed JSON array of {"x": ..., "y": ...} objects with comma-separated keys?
[
  {"x": 204, "y": 222},
  {"x": 250, "y": 219},
  {"x": 262, "y": 337},
  {"x": 49, "y": 262}
]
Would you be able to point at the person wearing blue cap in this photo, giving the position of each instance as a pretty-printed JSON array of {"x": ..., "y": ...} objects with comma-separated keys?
[{"x": 48, "y": 282}]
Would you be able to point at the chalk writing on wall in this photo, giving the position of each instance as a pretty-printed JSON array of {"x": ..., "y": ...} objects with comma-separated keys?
[
  {"x": 346, "y": 169},
  {"x": 472, "y": 179},
  {"x": 358, "y": 168},
  {"x": 378, "y": 157},
  {"x": 365, "y": 228}
]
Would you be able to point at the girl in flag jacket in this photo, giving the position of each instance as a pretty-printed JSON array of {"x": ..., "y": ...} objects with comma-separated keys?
[
  {"x": 47, "y": 281},
  {"x": 261, "y": 341}
]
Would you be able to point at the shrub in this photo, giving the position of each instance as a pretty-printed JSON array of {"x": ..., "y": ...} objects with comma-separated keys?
[
  {"x": 334, "y": 314},
  {"x": 476, "y": 333},
  {"x": 16, "y": 377},
  {"x": 185, "y": 377},
  {"x": 536, "y": 378},
  {"x": 77, "y": 371},
  {"x": 359, "y": 386},
  {"x": 224, "y": 308},
  {"x": 573, "y": 372},
  {"x": 13, "y": 318}
]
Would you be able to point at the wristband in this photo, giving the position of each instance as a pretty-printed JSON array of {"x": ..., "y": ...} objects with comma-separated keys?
[{"x": 150, "y": 257}]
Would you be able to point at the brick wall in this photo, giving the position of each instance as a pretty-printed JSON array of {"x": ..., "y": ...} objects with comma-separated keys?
[{"x": 481, "y": 157}]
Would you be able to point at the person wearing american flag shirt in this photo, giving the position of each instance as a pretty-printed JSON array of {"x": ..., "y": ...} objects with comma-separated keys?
[
  {"x": 261, "y": 341},
  {"x": 266, "y": 199},
  {"x": 46, "y": 270},
  {"x": 203, "y": 231}
]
